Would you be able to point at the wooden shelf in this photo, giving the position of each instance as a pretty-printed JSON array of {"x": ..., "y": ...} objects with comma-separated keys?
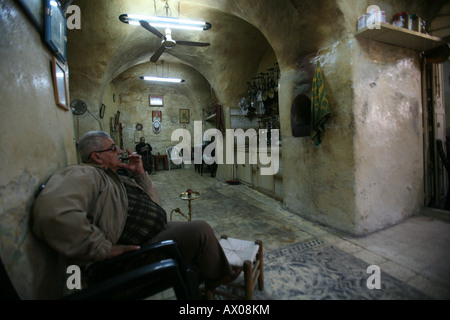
[{"x": 401, "y": 37}]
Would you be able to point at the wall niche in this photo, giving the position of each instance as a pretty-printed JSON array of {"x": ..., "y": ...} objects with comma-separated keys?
[{"x": 301, "y": 116}]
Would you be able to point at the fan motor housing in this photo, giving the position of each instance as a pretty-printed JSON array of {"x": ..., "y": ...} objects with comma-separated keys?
[{"x": 169, "y": 43}]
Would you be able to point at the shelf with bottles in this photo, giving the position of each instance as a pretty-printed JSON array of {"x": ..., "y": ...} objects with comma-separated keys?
[{"x": 401, "y": 37}]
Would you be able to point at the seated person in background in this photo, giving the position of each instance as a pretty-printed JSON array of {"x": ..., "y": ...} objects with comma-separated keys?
[
  {"x": 145, "y": 151},
  {"x": 89, "y": 213}
]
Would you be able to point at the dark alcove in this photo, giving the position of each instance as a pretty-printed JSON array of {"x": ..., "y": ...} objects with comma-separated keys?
[{"x": 301, "y": 116}]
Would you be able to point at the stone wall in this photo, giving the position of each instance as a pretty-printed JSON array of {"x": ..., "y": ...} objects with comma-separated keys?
[
  {"x": 193, "y": 94},
  {"x": 319, "y": 181},
  {"x": 388, "y": 140},
  {"x": 36, "y": 139},
  {"x": 368, "y": 172}
]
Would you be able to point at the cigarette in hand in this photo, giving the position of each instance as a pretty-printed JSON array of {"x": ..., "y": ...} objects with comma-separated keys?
[{"x": 128, "y": 158}]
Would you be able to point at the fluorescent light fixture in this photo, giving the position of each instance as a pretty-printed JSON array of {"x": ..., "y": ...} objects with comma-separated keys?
[
  {"x": 161, "y": 79},
  {"x": 166, "y": 22}
]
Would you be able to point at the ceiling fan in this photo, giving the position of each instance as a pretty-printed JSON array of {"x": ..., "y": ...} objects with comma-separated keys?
[{"x": 167, "y": 41}]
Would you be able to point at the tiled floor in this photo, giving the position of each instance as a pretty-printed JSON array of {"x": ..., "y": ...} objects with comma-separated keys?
[{"x": 416, "y": 251}]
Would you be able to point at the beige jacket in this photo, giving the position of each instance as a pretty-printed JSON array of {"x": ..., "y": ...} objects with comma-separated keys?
[{"x": 82, "y": 211}]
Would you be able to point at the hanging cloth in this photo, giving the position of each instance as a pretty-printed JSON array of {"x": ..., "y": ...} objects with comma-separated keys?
[{"x": 320, "y": 107}]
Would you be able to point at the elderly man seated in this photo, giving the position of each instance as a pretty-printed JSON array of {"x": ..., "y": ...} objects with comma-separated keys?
[{"x": 89, "y": 213}]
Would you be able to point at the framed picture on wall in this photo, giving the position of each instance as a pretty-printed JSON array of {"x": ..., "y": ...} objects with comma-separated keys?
[
  {"x": 156, "y": 101},
  {"x": 102, "y": 111},
  {"x": 184, "y": 116},
  {"x": 55, "y": 29},
  {"x": 156, "y": 116},
  {"x": 60, "y": 83}
]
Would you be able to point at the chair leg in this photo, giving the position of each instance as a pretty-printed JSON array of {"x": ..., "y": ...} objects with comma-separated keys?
[
  {"x": 261, "y": 266},
  {"x": 248, "y": 278}
]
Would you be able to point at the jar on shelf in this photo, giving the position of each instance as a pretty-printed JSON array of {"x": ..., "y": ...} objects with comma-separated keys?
[
  {"x": 400, "y": 20},
  {"x": 416, "y": 23}
]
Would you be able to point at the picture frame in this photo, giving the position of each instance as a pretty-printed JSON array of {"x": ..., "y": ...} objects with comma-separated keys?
[
  {"x": 102, "y": 111},
  {"x": 156, "y": 100},
  {"x": 34, "y": 9},
  {"x": 184, "y": 116},
  {"x": 156, "y": 116},
  {"x": 55, "y": 35},
  {"x": 60, "y": 84}
]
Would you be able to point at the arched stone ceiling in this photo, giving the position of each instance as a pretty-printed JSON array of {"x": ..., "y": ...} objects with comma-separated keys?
[
  {"x": 242, "y": 32},
  {"x": 105, "y": 47},
  {"x": 240, "y": 45}
]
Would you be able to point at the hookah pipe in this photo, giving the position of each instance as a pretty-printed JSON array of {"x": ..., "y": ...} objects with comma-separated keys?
[
  {"x": 179, "y": 211},
  {"x": 191, "y": 195}
]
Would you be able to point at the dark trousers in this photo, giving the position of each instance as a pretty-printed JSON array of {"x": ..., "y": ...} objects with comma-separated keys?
[
  {"x": 199, "y": 246},
  {"x": 147, "y": 161}
]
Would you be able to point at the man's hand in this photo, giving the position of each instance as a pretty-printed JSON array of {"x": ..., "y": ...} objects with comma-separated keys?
[
  {"x": 135, "y": 164},
  {"x": 120, "y": 249}
]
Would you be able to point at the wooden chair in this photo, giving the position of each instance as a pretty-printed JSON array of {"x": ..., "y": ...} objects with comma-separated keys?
[{"x": 249, "y": 256}]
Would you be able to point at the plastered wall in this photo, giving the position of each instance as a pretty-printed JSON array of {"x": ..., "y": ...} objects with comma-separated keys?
[
  {"x": 367, "y": 173},
  {"x": 388, "y": 142},
  {"x": 36, "y": 139},
  {"x": 194, "y": 94}
]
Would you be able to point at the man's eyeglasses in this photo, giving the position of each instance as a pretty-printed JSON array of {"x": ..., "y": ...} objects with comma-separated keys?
[{"x": 113, "y": 148}]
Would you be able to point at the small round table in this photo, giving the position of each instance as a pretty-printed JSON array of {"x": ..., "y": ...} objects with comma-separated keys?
[{"x": 189, "y": 197}]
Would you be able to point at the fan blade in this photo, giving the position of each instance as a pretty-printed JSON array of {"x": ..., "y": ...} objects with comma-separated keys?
[
  {"x": 153, "y": 30},
  {"x": 158, "y": 54},
  {"x": 195, "y": 44}
]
